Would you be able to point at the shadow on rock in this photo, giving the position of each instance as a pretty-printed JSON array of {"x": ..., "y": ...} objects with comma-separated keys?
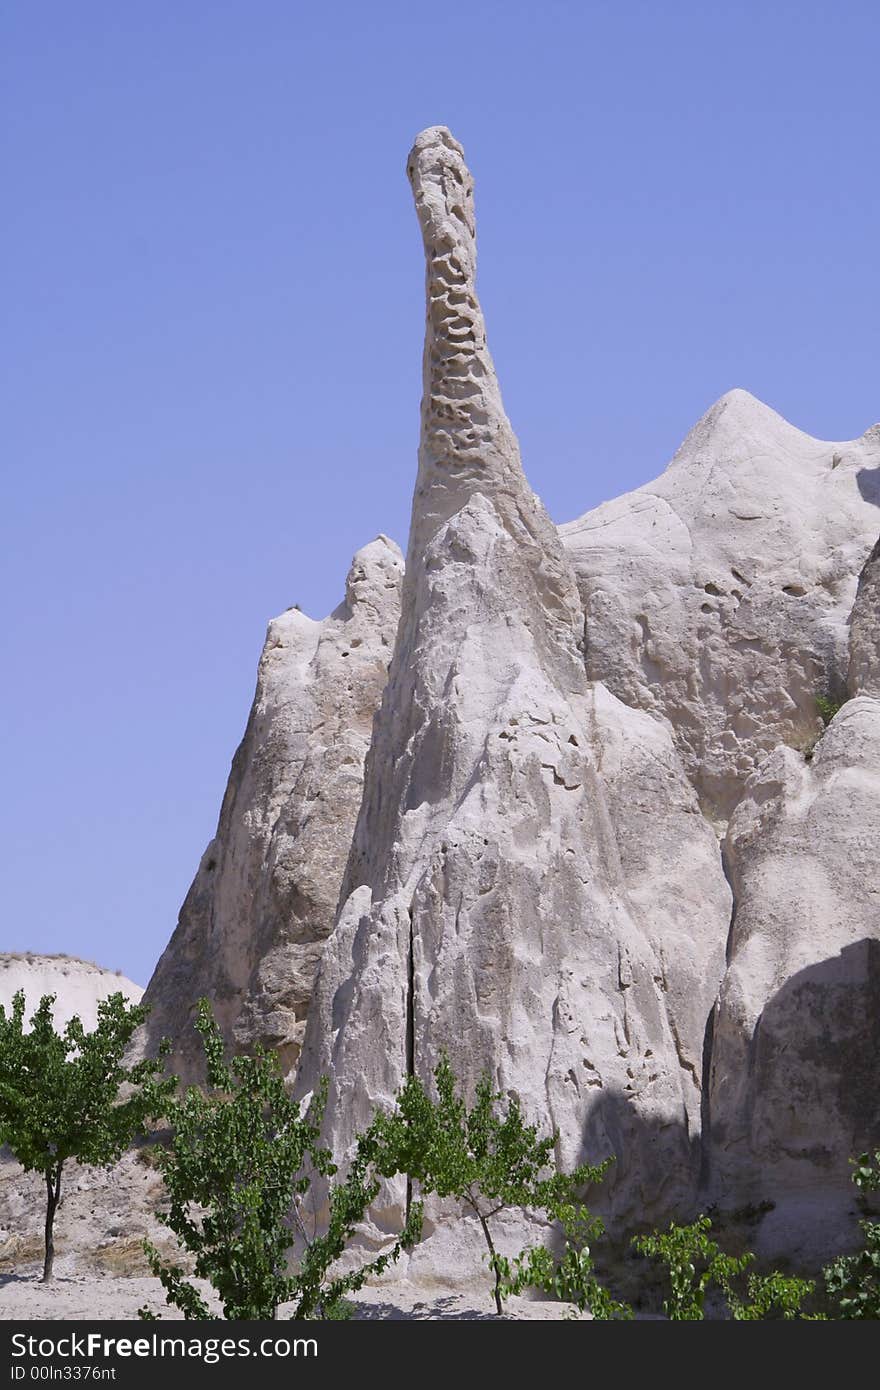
[
  {"x": 808, "y": 1103},
  {"x": 868, "y": 480}
]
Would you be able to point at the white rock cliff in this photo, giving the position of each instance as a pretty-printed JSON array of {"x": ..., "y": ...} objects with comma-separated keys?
[
  {"x": 717, "y": 597},
  {"x": 559, "y": 801},
  {"x": 796, "y": 1048}
]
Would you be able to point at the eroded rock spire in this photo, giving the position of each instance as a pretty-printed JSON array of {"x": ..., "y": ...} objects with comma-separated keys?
[
  {"x": 466, "y": 440},
  {"x": 491, "y": 908},
  {"x": 467, "y": 444}
]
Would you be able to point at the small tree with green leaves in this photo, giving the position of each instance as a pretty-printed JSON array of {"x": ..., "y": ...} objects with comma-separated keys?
[
  {"x": 486, "y": 1157},
  {"x": 68, "y": 1096},
  {"x": 694, "y": 1263},
  {"x": 241, "y": 1160},
  {"x": 853, "y": 1281}
]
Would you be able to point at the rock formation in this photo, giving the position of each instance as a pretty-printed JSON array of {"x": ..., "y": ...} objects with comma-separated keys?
[
  {"x": 78, "y": 985},
  {"x": 264, "y": 898},
  {"x": 717, "y": 597},
  {"x": 505, "y": 843},
  {"x": 496, "y": 903},
  {"x": 795, "y": 1086}
]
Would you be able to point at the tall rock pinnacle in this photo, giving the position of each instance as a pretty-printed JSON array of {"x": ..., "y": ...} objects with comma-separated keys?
[
  {"x": 490, "y": 907},
  {"x": 462, "y": 415},
  {"x": 467, "y": 444}
]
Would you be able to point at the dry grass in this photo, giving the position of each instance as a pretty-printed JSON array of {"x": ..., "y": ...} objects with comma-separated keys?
[
  {"x": 19, "y": 1250},
  {"x": 123, "y": 1257}
]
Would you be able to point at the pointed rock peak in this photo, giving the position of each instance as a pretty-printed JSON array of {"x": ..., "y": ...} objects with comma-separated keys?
[
  {"x": 741, "y": 427},
  {"x": 740, "y": 414},
  {"x": 443, "y": 189},
  {"x": 292, "y": 624},
  {"x": 739, "y": 396},
  {"x": 435, "y": 136},
  {"x": 467, "y": 448},
  {"x": 375, "y": 569},
  {"x": 467, "y": 444},
  {"x": 740, "y": 411},
  {"x": 742, "y": 405}
]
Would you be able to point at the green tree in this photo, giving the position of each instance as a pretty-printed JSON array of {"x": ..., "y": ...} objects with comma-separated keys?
[
  {"x": 68, "y": 1095},
  {"x": 486, "y": 1157},
  {"x": 853, "y": 1281},
  {"x": 241, "y": 1160}
]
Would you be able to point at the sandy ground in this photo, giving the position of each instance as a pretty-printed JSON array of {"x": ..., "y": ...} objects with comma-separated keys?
[{"x": 73, "y": 1296}]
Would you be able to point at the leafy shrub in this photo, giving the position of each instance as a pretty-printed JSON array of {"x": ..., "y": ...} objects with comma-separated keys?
[
  {"x": 852, "y": 1282},
  {"x": 771, "y": 1296},
  {"x": 570, "y": 1277},
  {"x": 695, "y": 1263}
]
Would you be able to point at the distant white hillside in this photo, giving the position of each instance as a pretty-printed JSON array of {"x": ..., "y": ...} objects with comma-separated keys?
[{"x": 78, "y": 985}]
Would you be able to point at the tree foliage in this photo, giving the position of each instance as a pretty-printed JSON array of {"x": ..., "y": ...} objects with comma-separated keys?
[
  {"x": 695, "y": 1263},
  {"x": 570, "y": 1276},
  {"x": 69, "y": 1096},
  {"x": 852, "y": 1282},
  {"x": 486, "y": 1157},
  {"x": 241, "y": 1161}
]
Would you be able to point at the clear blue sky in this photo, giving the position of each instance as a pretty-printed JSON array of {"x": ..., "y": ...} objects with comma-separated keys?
[{"x": 211, "y": 367}]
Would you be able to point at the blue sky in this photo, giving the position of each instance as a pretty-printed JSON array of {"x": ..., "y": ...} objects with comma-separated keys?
[{"x": 211, "y": 371}]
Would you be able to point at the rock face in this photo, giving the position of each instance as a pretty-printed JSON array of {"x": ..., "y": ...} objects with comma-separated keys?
[
  {"x": 717, "y": 597},
  {"x": 499, "y": 902},
  {"x": 78, "y": 985},
  {"x": 505, "y": 844},
  {"x": 796, "y": 1058},
  {"x": 264, "y": 898}
]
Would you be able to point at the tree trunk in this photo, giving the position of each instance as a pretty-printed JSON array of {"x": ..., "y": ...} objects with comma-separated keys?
[
  {"x": 499, "y": 1307},
  {"x": 53, "y": 1197}
]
